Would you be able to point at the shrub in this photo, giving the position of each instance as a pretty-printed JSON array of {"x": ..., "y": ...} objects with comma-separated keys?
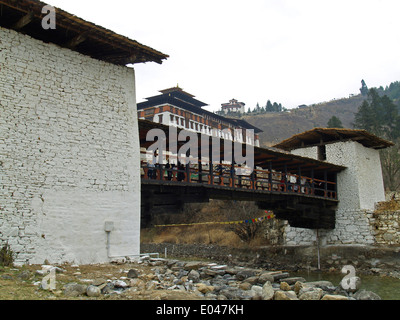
[{"x": 6, "y": 256}]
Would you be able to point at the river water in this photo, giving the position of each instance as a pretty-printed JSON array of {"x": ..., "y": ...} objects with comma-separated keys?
[{"x": 387, "y": 288}]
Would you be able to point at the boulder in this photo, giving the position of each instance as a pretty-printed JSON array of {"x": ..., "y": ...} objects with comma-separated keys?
[
  {"x": 93, "y": 291},
  {"x": 285, "y": 286},
  {"x": 133, "y": 274},
  {"x": 194, "y": 265},
  {"x": 203, "y": 288},
  {"x": 311, "y": 294},
  {"x": 366, "y": 295},
  {"x": 268, "y": 291},
  {"x": 258, "y": 292},
  {"x": 194, "y": 276},
  {"x": 74, "y": 289},
  {"x": 285, "y": 295},
  {"x": 98, "y": 281},
  {"x": 265, "y": 276}
]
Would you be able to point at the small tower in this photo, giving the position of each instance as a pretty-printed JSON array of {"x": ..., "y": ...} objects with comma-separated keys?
[{"x": 360, "y": 186}]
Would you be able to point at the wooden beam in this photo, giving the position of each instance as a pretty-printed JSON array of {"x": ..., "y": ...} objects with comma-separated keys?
[
  {"x": 25, "y": 20},
  {"x": 74, "y": 42}
]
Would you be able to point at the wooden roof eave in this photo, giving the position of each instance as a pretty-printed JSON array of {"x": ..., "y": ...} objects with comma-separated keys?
[{"x": 78, "y": 31}]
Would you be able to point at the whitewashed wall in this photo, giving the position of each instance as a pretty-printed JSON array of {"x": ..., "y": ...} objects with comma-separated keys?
[{"x": 69, "y": 155}]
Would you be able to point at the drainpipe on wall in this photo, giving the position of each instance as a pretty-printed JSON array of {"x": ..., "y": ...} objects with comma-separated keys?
[{"x": 108, "y": 228}]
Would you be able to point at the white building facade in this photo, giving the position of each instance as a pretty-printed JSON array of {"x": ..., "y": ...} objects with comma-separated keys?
[
  {"x": 175, "y": 107},
  {"x": 70, "y": 154}
]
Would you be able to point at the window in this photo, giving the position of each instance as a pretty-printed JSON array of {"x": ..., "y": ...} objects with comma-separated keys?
[
  {"x": 322, "y": 153},
  {"x": 160, "y": 118}
]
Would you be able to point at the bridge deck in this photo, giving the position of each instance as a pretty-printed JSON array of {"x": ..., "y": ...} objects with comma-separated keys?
[
  {"x": 306, "y": 203},
  {"x": 224, "y": 176}
]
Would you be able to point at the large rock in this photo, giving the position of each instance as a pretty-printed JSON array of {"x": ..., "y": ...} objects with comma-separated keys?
[
  {"x": 74, "y": 289},
  {"x": 133, "y": 274},
  {"x": 285, "y": 295},
  {"x": 203, "y": 288},
  {"x": 194, "y": 276},
  {"x": 268, "y": 291},
  {"x": 93, "y": 291},
  {"x": 194, "y": 265},
  {"x": 258, "y": 292},
  {"x": 285, "y": 286},
  {"x": 265, "y": 276},
  {"x": 366, "y": 295},
  {"x": 311, "y": 294}
]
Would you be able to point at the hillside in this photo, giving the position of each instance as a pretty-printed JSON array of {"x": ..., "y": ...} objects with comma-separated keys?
[{"x": 283, "y": 125}]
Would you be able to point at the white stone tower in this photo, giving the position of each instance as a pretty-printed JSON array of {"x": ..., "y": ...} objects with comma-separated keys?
[{"x": 360, "y": 185}]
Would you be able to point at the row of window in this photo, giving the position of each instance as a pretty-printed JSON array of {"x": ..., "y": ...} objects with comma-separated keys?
[{"x": 201, "y": 128}]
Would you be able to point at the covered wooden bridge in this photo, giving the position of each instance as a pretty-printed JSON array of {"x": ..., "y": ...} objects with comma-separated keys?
[{"x": 300, "y": 190}]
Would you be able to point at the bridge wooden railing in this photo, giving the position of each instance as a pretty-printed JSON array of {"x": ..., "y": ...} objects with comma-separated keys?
[{"x": 226, "y": 175}]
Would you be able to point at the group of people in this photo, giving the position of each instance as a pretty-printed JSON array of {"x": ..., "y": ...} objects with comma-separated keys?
[
  {"x": 171, "y": 171},
  {"x": 168, "y": 170}
]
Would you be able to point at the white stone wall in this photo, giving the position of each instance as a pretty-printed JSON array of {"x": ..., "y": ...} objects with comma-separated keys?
[
  {"x": 69, "y": 154},
  {"x": 361, "y": 185},
  {"x": 360, "y": 188}
]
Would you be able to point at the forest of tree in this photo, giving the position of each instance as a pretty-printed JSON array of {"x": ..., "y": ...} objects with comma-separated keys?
[
  {"x": 380, "y": 115},
  {"x": 269, "y": 107}
]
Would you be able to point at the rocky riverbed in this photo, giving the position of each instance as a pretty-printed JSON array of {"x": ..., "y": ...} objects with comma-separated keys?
[{"x": 167, "y": 279}]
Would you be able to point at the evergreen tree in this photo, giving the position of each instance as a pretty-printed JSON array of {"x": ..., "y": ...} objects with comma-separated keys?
[
  {"x": 335, "y": 122},
  {"x": 380, "y": 116},
  {"x": 269, "y": 107},
  {"x": 364, "y": 88}
]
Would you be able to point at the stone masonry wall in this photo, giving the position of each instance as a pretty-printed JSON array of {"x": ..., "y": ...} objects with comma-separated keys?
[
  {"x": 387, "y": 230},
  {"x": 366, "y": 227},
  {"x": 386, "y": 222},
  {"x": 352, "y": 227},
  {"x": 69, "y": 154}
]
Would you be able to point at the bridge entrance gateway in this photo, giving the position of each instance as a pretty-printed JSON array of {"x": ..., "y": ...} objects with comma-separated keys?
[{"x": 298, "y": 189}]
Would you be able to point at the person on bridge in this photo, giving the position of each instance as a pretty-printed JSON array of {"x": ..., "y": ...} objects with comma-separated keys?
[{"x": 181, "y": 172}]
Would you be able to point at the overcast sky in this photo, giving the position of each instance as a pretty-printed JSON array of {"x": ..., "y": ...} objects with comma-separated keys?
[{"x": 290, "y": 51}]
